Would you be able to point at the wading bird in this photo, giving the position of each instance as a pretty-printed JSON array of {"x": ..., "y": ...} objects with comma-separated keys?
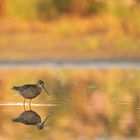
[
  {"x": 30, "y": 91},
  {"x": 30, "y": 118}
]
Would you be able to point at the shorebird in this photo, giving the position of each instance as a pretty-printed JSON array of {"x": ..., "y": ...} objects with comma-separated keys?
[
  {"x": 30, "y": 118},
  {"x": 30, "y": 91}
]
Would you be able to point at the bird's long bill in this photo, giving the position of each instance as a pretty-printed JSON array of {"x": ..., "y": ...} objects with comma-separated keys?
[
  {"x": 46, "y": 90},
  {"x": 45, "y": 120}
]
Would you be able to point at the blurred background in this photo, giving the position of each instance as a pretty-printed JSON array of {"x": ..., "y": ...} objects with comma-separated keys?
[
  {"x": 87, "y": 102},
  {"x": 69, "y": 29}
]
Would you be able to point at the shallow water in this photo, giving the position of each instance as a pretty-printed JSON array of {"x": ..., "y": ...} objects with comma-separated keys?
[
  {"x": 85, "y": 104},
  {"x": 26, "y": 104}
]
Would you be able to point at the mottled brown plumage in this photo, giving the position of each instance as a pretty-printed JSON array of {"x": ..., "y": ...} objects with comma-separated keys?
[{"x": 30, "y": 91}]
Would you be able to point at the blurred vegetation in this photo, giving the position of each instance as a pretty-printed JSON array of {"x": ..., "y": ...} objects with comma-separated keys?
[
  {"x": 89, "y": 29},
  {"x": 44, "y": 9},
  {"x": 52, "y": 8}
]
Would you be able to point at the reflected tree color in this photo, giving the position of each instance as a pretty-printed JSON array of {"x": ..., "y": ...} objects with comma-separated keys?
[{"x": 91, "y": 103}]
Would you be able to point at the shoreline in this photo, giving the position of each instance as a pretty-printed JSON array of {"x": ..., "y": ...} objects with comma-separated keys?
[{"x": 71, "y": 64}]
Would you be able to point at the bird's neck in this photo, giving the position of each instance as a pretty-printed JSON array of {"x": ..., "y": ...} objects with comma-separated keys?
[{"x": 39, "y": 85}]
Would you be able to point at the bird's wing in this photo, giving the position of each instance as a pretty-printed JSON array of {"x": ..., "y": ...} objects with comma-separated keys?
[
  {"x": 30, "y": 116},
  {"x": 26, "y": 87},
  {"x": 21, "y": 119}
]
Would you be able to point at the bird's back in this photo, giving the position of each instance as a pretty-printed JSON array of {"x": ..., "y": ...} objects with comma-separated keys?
[
  {"x": 28, "y": 91},
  {"x": 28, "y": 118}
]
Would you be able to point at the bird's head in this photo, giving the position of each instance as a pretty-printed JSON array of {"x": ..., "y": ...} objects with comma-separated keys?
[
  {"x": 41, "y": 125},
  {"x": 40, "y": 83}
]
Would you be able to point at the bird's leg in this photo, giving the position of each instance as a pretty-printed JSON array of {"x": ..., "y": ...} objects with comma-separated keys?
[
  {"x": 30, "y": 108},
  {"x": 24, "y": 103},
  {"x": 24, "y": 108},
  {"x": 30, "y": 103}
]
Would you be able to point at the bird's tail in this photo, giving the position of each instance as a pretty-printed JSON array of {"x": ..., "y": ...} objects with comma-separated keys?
[
  {"x": 15, "y": 88},
  {"x": 15, "y": 120}
]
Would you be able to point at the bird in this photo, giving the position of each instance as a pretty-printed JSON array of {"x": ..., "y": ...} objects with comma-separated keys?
[
  {"x": 30, "y": 117},
  {"x": 30, "y": 91}
]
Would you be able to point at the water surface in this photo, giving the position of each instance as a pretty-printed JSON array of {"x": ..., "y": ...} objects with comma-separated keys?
[{"x": 85, "y": 103}]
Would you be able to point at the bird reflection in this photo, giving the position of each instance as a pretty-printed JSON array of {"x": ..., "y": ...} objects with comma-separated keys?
[{"x": 30, "y": 117}]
